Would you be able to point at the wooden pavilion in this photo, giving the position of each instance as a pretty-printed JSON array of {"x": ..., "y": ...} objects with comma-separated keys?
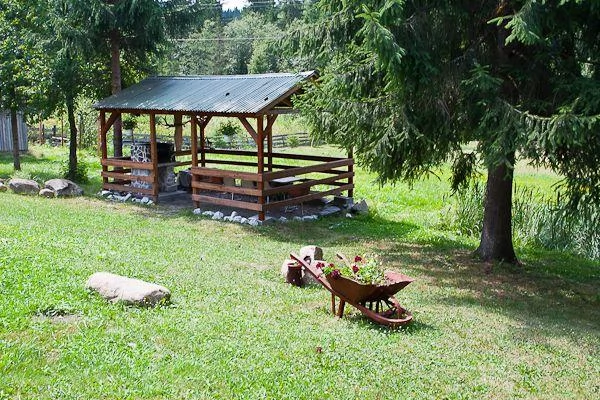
[{"x": 256, "y": 100}]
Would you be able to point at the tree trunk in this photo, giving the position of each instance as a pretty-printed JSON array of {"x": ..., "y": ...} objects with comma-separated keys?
[
  {"x": 14, "y": 124},
  {"x": 115, "y": 65},
  {"x": 496, "y": 236},
  {"x": 72, "y": 174}
]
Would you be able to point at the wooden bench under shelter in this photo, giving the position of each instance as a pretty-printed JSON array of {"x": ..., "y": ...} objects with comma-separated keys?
[{"x": 259, "y": 180}]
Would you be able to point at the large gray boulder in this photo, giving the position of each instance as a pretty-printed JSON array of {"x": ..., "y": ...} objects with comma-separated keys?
[
  {"x": 130, "y": 291},
  {"x": 63, "y": 187},
  {"x": 24, "y": 186}
]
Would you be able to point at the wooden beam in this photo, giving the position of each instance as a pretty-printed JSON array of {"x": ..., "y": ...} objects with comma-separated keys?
[
  {"x": 102, "y": 144},
  {"x": 111, "y": 120},
  {"x": 269, "y": 132},
  {"x": 248, "y": 176},
  {"x": 194, "y": 141},
  {"x": 154, "y": 156},
  {"x": 260, "y": 143},
  {"x": 178, "y": 137},
  {"x": 249, "y": 129},
  {"x": 308, "y": 197},
  {"x": 351, "y": 169},
  {"x": 228, "y": 203}
]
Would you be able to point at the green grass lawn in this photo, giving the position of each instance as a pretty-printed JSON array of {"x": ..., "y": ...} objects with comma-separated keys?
[{"x": 236, "y": 330}]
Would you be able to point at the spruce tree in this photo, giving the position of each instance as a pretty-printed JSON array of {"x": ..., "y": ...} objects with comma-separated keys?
[{"x": 407, "y": 83}]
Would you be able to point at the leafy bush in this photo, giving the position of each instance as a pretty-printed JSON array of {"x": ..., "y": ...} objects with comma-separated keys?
[
  {"x": 81, "y": 174},
  {"x": 293, "y": 141},
  {"x": 229, "y": 128}
]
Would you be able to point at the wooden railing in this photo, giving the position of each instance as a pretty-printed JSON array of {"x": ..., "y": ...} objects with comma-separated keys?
[
  {"x": 280, "y": 185},
  {"x": 116, "y": 174}
]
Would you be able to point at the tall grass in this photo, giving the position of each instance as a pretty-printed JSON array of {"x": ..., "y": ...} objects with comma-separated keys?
[{"x": 537, "y": 220}]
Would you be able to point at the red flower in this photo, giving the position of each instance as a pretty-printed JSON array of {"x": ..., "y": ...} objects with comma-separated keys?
[
  {"x": 355, "y": 268},
  {"x": 358, "y": 259},
  {"x": 331, "y": 265},
  {"x": 320, "y": 265},
  {"x": 335, "y": 274}
]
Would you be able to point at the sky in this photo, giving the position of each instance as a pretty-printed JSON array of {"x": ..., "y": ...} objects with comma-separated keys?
[{"x": 231, "y": 4}]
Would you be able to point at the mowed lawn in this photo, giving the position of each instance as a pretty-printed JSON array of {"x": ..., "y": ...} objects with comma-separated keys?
[{"x": 236, "y": 330}]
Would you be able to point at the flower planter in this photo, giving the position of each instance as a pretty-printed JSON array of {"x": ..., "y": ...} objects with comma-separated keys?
[{"x": 357, "y": 292}]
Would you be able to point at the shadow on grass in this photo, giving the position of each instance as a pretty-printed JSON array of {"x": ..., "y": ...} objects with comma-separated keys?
[{"x": 544, "y": 291}]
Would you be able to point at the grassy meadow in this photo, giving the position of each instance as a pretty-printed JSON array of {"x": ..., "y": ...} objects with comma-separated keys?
[{"x": 235, "y": 330}]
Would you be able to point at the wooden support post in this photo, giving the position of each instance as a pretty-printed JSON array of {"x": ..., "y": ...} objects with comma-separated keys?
[
  {"x": 203, "y": 124},
  {"x": 102, "y": 144},
  {"x": 194, "y": 150},
  {"x": 194, "y": 141},
  {"x": 269, "y": 132},
  {"x": 350, "y": 169},
  {"x": 178, "y": 138},
  {"x": 154, "y": 156},
  {"x": 260, "y": 143}
]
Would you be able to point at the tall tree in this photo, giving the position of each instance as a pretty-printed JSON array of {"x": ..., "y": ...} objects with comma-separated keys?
[
  {"x": 69, "y": 42},
  {"x": 135, "y": 29},
  {"x": 406, "y": 83},
  {"x": 18, "y": 61}
]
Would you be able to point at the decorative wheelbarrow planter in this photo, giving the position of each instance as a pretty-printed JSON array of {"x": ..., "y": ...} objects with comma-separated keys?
[{"x": 376, "y": 302}]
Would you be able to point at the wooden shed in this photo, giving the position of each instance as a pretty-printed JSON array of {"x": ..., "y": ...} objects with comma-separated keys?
[
  {"x": 261, "y": 181},
  {"x": 6, "y": 142}
]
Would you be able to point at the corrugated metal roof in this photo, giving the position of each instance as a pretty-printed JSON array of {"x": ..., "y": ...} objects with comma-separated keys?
[{"x": 218, "y": 94}]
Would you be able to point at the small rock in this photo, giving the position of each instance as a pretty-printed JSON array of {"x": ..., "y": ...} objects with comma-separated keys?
[
  {"x": 145, "y": 200},
  {"x": 24, "y": 186},
  {"x": 130, "y": 291},
  {"x": 150, "y": 202},
  {"x": 105, "y": 193},
  {"x": 218, "y": 215},
  {"x": 208, "y": 213},
  {"x": 361, "y": 207},
  {"x": 310, "y": 218},
  {"x": 254, "y": 222},
  {"x": 297, "y": 218},
  {"x": 348, "y": 215},
  {"x": 63, "y": 187},
  {"x": 342, "y": 201},
  {"x": 329, "y": 210},
  {"x": 197, "y": 211},
  {"x": 237, "y": 218},
  {"x": 47, "y": 193},
  {"x": 233, "y": 214},
  {"x": 127, "y": 197},
  {"x": 243, "y": 220},
  {"x": 227, "y": 218},
  {"x": 283, "y": 220},
  {"x": 311, "y": 253},
  {"x": 110, "y": 197}
]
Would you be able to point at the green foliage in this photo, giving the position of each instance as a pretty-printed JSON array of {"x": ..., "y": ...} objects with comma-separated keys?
[
  {"x": 229, "y": 128},
  {"x": 79, "y": 175},
  {"x": 407, "y": 84},
  {"x": 293, "y": 141},
  {"x": 363, "y": 269},
  {"x": 129, "y": 122},
  {"x": 537, "y": 220}
]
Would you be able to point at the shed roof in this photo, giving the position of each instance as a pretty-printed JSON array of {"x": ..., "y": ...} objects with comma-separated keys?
[{"x": 207, "y": 94}]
